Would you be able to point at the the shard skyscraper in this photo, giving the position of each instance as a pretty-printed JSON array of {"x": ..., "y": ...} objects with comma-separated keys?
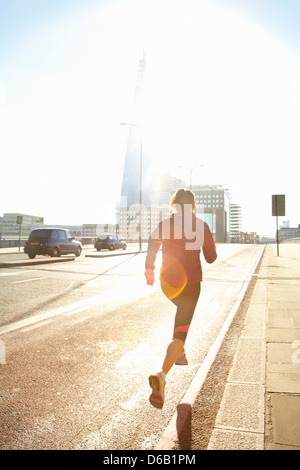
[
  {"x": 133, "y": 174},
  {"x": 143, "y": 196}
]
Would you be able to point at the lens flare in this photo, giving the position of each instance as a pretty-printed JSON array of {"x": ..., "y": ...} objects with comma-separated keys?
[{"x": 173, "y": 277}]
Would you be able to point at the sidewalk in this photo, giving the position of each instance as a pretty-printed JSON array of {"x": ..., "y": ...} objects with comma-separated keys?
[{"x": 260, "y": 408}]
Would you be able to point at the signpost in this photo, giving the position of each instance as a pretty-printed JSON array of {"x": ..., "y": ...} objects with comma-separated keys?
[
  {"x": 20, "y": 221},
  {"x": 278, "y": 210}
]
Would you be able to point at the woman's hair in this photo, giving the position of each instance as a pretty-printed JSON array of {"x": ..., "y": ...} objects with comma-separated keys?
[{"x": 183, "y": 199}]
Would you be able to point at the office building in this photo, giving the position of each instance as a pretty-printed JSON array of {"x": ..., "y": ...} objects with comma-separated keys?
[
  {"x": 235, "y": 223},
  {"x": 135, "y": 164},
  {"x": 213, "y": 206},
  {"x": 11, "y": 222},
  {"x": 145, "y": 193},
  {"x": 151, "y": 214},
  {"x": 288, "y": 233}
]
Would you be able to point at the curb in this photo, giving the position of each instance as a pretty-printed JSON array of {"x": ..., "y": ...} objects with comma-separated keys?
[
  {"x": 10, "y": 264},
  {"x": 175, "y": 427},
  {"x": 28, "y": 262},
  {"x": 115, "y": 254}
]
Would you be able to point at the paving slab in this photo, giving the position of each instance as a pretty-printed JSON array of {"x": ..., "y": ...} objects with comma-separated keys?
[
  {"x": 286, "y": 418},
  {"x": 228, "y": 439}
]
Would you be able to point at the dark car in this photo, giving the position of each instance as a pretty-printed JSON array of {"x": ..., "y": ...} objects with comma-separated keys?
[
  {"x": 52, "y": 242},
  {"x": 109, "y": 242}
]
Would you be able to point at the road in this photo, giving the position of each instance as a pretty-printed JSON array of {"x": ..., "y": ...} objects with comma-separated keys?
[{"x": 80, "y": 338}]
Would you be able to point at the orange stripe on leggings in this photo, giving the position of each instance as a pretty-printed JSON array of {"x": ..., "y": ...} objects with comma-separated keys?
[{"x": 184, "y": 328}]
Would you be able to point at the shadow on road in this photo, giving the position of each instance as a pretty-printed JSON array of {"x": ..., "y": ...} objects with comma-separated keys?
[{"x": 184, "y": 421}]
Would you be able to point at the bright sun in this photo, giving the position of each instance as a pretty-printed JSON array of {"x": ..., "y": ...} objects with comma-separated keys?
[{"x": 218, "y": 91}]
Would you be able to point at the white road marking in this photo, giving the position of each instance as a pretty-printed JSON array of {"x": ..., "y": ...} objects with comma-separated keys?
[
  {"x": 81, "y": 309},
  {"x": 70, "y": 309},
  {"x": 37, "y": 325}
]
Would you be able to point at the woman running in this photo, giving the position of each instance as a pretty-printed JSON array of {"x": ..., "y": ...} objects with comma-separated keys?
[{"x": 181, "y": 236}]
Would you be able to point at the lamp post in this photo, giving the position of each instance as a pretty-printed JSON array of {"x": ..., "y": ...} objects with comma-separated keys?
[
  {"x": 141, "y": 175},
  {"x": 212, "y": 212},
  {"x": 191, "y": 171}
]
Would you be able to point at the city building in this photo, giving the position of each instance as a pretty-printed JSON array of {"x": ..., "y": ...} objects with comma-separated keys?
[
  {"x": 287, "y": 233},
  {"x": 265, "y": 239},
  {"x": 12, "y": 222},
  {"x": 135, "y": 164},
  {"x": 145, "y": 193},
  {"x": 75, "y": 230},
  {"x": 251, "y": 237},
  {"x": 90, "y": 232},
  {"x": 213, "y": 206},
  {"x": 151, "y": 214},
  {"x": 285, "y": 224},
  {"x": 235, "y": 223},
  {"x": 14, "y": 225},
  {"x": 12, "y": 218}
]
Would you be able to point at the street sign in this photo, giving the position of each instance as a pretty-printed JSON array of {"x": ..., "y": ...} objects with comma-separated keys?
[
  {"x": 278, "y": 210},
  {"x": 278, "y": 205},
  {"x": 19, "y": 222}
]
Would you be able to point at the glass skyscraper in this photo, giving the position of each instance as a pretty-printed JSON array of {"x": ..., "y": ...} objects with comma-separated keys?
[
  {"x": 138, "y": 173},
  {"x": 133, "y": 174}
]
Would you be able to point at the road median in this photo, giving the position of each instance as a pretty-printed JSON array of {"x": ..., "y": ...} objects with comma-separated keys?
[
  {"x": 113, "y": 253},
  {"x": 30, "y": 262}
]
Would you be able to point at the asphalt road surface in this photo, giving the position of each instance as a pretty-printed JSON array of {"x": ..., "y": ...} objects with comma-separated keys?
[{"x": 79, "y": 339}]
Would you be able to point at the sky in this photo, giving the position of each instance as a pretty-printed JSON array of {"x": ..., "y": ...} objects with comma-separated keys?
[{"x": 222, "y": 90}]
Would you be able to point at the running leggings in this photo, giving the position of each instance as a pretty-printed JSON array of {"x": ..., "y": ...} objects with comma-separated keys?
[{"x": 185, "y": 302}]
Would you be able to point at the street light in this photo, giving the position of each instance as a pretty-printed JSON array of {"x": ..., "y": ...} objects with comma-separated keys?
[
  {"x": 191, "y": 171},
  {"x": 212, "y": 211},
  {"x": 141, "y": 174}
]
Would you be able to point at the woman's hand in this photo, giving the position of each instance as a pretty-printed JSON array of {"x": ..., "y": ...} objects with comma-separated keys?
[{"x": 149, "y": 274}]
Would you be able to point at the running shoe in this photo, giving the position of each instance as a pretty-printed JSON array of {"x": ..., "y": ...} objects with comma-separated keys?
[
  {"x": 157, "y": 383},
  {"x": 181, "y": 359}
]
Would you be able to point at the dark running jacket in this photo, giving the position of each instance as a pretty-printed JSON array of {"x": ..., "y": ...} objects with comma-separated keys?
[{"x": 182, "y": 237}]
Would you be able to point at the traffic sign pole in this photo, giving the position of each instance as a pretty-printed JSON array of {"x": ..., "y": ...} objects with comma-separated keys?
[{"x": 278, "y": 209}]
